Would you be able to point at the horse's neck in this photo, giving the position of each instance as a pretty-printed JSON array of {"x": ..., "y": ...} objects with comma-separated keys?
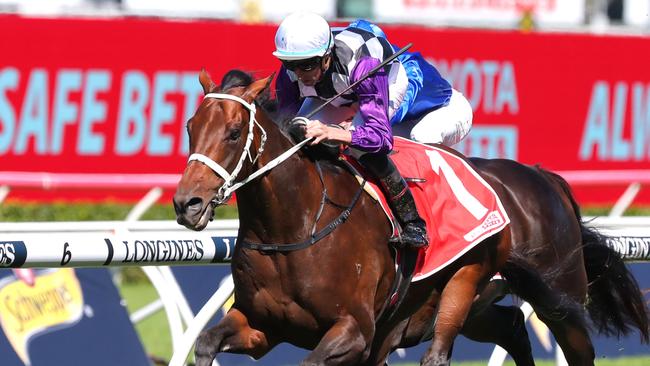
[{"x": 281, "y": 204}]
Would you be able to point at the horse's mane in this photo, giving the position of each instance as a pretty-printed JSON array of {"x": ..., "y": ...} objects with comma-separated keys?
[{"x": 238, "y": 78}]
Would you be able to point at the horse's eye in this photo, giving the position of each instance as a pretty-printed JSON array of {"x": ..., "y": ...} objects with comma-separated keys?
[{"x": 234, "y": 134}]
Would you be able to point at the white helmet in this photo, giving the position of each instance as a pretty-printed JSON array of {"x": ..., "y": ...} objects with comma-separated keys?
[{"x": 301, "y": 36}]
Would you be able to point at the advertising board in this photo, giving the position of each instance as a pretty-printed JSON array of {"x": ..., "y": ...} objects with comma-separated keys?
[{"x": 113, "y": 96}]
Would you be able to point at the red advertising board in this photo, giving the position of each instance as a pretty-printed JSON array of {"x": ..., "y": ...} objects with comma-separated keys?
[{"x": 113, "y": 96}]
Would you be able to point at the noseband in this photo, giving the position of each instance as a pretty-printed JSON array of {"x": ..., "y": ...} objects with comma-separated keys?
[{"x": 229, "y": 186}]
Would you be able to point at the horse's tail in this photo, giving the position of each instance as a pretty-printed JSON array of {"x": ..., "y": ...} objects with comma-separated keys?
[{"x": 615, "y": 303}]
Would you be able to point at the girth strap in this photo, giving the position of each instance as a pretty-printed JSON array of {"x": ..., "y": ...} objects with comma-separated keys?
[{"x": 309, "y": 242}]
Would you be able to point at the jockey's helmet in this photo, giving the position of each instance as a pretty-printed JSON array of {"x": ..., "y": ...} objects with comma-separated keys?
[{"x": 302, "y": 35}]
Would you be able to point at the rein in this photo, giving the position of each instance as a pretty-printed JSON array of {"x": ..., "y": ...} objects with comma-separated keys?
[{"x": 230, "y": 186}]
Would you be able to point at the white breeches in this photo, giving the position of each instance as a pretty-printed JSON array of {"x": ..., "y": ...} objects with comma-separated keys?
[{"x": 446, "y": 125}]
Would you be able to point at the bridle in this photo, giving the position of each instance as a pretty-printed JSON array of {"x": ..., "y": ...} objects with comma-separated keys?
[{"x": 230, "y": 186}]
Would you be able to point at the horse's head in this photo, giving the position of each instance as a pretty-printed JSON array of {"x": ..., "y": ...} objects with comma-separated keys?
[{"x": 222, "y": 137}]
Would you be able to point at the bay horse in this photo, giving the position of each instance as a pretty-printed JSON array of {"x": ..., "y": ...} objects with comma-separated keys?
[{"x": 313, "y": 267}]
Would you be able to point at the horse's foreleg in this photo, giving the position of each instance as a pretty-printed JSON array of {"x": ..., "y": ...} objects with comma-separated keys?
[
  {"x": 455, "y": 301},
  {"x": 343, "y": 344},
  {"x": 232, "y": 334},
  {"x": 502, "y": 325}
]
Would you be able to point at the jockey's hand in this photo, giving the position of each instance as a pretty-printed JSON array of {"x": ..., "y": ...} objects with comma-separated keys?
[
  {"x": 318, "y": 130},
  {"x": 346, "y": 125},
  {"x": 322, "y": 132}
]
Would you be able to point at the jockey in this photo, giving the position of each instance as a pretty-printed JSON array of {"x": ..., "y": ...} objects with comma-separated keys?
[{"x": 318, "y": 63}]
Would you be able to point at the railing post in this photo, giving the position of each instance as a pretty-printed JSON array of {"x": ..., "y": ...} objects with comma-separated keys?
[
  {"x": 144, "y": 204},
  {"x": 4, "y": 192},
  {"x": 625, "y": 200},
  {"x": 202, "y": 318}
]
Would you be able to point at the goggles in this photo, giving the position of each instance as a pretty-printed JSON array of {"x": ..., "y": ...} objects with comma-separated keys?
[{"x": 304, "y": 65}]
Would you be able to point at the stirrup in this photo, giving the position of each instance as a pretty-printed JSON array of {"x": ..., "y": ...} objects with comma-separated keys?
[{"x": 399, "y": 241}]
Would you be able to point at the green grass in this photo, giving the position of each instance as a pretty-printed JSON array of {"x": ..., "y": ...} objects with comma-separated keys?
[
  {"x": 603, "y": 211},
  {"x": 154, "y": 330},
  {"x": 16, "y": 211}
]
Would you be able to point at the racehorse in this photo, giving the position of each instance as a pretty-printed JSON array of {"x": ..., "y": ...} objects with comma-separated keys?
[{"x": 312, "y": 265}]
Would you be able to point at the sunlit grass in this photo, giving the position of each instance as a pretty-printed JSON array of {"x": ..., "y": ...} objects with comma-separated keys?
[
  {"x": 154, "y": 330},
  {"x": 17, "y": 211}
]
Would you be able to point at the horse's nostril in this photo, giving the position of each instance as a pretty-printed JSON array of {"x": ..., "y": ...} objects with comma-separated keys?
[
  {"x": 191, "y": 207},
  {"x": 194, "y": 205}
]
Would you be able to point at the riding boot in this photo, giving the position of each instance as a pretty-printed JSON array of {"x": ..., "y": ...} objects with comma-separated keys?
[{"x": 400, "y": 198}]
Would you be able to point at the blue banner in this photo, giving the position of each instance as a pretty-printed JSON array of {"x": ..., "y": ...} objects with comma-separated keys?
[{"x": 65, "y": 317}]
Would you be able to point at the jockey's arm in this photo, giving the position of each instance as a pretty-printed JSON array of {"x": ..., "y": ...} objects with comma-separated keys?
[{"x": 375, "y": 135}]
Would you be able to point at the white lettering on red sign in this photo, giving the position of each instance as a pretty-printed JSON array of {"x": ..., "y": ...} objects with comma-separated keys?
[
  {"x": 72, "y": 107},
  {"x": 617, "y": 124},
  {"x": 489, "y": 85}
]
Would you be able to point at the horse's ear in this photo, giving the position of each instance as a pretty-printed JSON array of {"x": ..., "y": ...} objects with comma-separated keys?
[
  {"x": 206, "y": 82},
  {"x": 257, "y": 87}
]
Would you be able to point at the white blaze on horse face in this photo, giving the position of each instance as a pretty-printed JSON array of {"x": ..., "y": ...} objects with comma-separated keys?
[{"x": 471, "y": 203}]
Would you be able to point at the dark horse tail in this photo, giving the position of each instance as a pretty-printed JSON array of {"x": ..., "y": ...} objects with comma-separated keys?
[{"x": 615, "y": 302}]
